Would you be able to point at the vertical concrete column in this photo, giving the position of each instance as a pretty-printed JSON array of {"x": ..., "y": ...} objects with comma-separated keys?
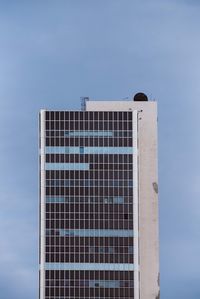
[
  {"x": 42, "y": 204},
  {"x": 135, "y": 206}
]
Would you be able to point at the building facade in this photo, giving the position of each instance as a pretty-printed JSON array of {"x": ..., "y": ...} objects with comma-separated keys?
[{"x": 98, "y": 202}]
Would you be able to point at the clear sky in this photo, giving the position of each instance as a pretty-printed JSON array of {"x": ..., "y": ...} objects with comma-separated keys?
[{"x": 54, "y": 52}]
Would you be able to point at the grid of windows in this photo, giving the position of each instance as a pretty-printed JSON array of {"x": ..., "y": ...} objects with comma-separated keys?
[
  {"x": 88, "y": 204},
  {"x": 89, "y": 284}
]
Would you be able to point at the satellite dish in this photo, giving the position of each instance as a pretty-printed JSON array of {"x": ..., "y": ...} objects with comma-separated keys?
[{"x": 140, "y": 97}]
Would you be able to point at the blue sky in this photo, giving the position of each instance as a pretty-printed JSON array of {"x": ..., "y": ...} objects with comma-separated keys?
[{"x": 54, "y": 52}]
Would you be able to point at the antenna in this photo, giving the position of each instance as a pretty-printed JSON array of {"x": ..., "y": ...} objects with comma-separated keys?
[{"x": 83, "y": 103}]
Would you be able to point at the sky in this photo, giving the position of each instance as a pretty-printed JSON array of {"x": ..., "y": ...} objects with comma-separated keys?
[{"x": 54, "y": 52}]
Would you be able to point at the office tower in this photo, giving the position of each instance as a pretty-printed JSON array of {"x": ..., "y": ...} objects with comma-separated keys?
[{"x": 98, "y": 201}]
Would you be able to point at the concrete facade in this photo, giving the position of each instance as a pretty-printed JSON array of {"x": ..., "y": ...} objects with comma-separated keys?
[{"x": 147, "y": 190}]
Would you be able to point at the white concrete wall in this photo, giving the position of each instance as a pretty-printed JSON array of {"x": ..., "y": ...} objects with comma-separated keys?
[
  {"x": 42, "y": 204},
  {"x": 148, "y": 190}
]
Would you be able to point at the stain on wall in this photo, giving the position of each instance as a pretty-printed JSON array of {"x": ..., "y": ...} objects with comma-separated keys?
[{"x": 155, "y": 187}]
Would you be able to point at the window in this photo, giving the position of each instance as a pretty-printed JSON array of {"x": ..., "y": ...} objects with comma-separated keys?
[
  {"x": 118, "y": 200},
  {"x": 81, "y": 150}
]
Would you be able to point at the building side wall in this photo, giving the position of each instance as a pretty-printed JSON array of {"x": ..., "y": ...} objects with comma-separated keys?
[{"x": 148, "y": 190}]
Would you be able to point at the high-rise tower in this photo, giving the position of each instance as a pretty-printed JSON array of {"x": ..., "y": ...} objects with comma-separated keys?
[{"x": 98, "y": 201}]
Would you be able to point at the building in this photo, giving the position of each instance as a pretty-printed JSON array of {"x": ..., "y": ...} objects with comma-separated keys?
[{"x": 98, "y": 201}]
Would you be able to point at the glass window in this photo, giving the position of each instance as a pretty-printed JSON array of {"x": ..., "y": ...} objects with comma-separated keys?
[
  {"x": 118, "y": 200},
  {"x": 81, "y": 150}
]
